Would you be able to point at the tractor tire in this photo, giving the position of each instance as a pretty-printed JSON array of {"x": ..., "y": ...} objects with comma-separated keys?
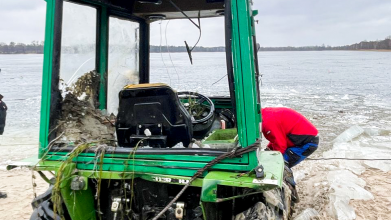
[
  {"x": 43, "y": 207},
  {"x": 278, "y": 206}
]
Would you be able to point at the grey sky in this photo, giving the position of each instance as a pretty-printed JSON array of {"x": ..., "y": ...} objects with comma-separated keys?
[{"x": 281, "y": 23}]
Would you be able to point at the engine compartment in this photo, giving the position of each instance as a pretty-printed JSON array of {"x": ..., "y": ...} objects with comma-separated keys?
[
  {"x": 145, "y": 199},
  {"x": 117, "y": 202}
]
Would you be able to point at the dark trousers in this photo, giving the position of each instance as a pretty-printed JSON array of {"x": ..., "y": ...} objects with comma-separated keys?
[
  {"x": 3, "y": 115},
  {"x": 294, "y": 155}
]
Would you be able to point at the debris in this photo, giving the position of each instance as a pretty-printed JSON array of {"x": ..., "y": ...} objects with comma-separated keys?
[{"x": 80, "y": 119}]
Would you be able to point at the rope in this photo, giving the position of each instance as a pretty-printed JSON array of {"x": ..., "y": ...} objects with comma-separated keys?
[{"x": 234, "y": 153}]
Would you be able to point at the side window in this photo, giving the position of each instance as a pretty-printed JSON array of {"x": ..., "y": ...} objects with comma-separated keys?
[
  {"x": 123, "y": 68},
  {"x": 78, "y": 43}
]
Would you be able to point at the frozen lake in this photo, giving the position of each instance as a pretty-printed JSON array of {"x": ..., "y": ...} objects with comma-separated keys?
[{"x": 334, "y": 89}]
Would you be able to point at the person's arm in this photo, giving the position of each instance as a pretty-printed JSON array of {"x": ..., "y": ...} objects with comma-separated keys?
[
  {"x": 279, "y": 143},
  {"x": 276, "y": 137},
  {"x": 5, "y": 106}
]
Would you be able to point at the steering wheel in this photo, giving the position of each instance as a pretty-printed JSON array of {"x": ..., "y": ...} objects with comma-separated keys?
[{"x": 199, "y": 111}]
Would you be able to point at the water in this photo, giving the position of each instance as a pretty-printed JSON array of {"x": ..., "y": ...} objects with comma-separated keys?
[{"x": 334, "y": 89}]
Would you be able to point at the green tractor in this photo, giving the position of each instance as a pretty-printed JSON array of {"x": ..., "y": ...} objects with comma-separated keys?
[{"x": 121, "y": 147}]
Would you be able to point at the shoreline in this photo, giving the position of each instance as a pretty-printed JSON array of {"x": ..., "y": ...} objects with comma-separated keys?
[{"x": 364, "y": 50}]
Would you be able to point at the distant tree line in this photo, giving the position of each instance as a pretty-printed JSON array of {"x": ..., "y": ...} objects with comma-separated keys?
[
  {"x": 37, "y": 48},
  {"x": 21, "y": 48},
  {"x": 176, "y": 49},
  {"x": 363, "y": 45}
]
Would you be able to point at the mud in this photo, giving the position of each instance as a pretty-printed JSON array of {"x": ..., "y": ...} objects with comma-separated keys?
[{"x": 81, "y": 121}]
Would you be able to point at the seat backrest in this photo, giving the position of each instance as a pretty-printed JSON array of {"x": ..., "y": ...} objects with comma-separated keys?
[{"x": 153, "y": 108}]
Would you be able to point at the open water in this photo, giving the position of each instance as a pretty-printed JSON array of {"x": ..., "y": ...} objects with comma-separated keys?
[{"x": 334, "y": 89}]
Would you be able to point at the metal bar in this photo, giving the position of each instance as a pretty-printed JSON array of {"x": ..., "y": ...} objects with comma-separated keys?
[
  {"x": 102, "y": 54},
  {"x": 49, "y": 56},
  {"x": 144, "y": 52}
]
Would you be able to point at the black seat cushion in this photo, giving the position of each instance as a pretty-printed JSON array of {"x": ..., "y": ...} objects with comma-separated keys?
[{"x": 155, "y": 107}]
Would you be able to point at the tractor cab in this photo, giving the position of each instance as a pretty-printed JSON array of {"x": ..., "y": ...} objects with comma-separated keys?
[
  {"x": 99, "y": 85},
  {"x": 127, "y": 141}
]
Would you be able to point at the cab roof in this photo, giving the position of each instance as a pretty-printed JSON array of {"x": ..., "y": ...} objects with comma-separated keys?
[{"x": 147, "y": 9}]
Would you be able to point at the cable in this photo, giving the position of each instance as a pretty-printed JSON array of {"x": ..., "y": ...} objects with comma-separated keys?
[
  {"x": 161, "y": 54},
  {"x": 234, "y": 153},
  {"x": 198, "y": 26},
  {"x": 180, "y": 10},
  {"x": 336, "y": 158},
  {"x": 220, "y": 79},
  {"x": 169, "y": 54}
]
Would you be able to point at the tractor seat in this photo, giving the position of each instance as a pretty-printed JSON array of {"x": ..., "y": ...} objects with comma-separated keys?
[{"x": 152, "y": 113}]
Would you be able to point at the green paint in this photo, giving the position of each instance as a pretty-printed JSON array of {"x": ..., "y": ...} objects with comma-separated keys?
[
  {"x": 148, "y": 166},
  {"x": 273, "y": 167},
  {"x": 248, "y": 116},
  {"x": 161, "y": 168},
  {"x": 244, "y": 71},
  {"x": 47, "y": 76},
  {"x": 103, "y": 31},
  {"x": 80, "y": 204},
  {"x": 165, "y": 157}
]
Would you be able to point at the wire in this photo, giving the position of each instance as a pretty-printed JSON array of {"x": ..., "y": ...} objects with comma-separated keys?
[
  {"x": 337, "y": 158},
  {"x": 198, "y": 26},
  {"x": 234, "y": 153},
  {"x": 168, "y": 50},
  {"x": 220, "y": 79},
  {"x": 161, "y": 54}
]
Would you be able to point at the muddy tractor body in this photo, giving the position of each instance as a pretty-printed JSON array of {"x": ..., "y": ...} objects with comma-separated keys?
[{"x": 121, "y": 147}]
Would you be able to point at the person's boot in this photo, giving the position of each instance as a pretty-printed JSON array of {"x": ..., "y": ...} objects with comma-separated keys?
[{"x": 3, "y": 195}]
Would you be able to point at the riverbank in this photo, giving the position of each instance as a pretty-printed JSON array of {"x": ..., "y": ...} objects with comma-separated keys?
[
  {"x": 315, "y": 191},
  {"x": 18, "y": 185}
]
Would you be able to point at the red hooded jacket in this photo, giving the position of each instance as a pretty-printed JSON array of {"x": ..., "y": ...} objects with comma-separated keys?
[{"x": 280, "y": 125}]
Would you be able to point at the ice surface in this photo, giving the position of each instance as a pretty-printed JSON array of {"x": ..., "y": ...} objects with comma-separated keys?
[
  {"x": 349, "y": 134},
  {"x": 355, "y": 143},
  {"x": 299, "y": 175},
  {"x": 353, "y": 166},
  {"x": 345, "y": 183},
  {"x": 340, "y": 208},
  {"x": 375, "y": 144},
  {"x": 345, "y": 97},
  {"x": 384, "y": 166},
  {"x": 346, "y": 186},
  {"x": 307, "y": 214}
]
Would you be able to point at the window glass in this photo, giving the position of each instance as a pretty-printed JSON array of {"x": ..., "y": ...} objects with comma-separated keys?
[
  {"x": 123, "y": 59},
  {"x": 78, "y": 43},
  {"x": 170, "y": 62}
]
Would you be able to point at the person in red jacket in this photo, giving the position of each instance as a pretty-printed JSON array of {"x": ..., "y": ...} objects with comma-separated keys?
[{"x": 290, "y": 133}]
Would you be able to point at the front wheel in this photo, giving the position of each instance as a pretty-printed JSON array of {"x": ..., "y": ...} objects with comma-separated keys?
[
  {"x": 278, "y": 206},
  {"x": 43, "y": 207}
]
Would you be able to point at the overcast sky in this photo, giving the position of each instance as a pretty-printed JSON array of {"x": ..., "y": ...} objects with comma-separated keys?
[{"x": 281, "y": 23}]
